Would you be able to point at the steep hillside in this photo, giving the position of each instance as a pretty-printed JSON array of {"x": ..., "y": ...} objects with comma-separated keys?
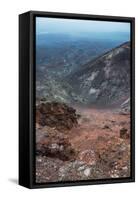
[
  {"x": 105, "y": 80},
  {"x": 50, "y": 89}
]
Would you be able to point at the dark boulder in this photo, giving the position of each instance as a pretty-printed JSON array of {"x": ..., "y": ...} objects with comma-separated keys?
[
  {"x": 124, "y": 133},
  {"x": 55, "y": 114}
]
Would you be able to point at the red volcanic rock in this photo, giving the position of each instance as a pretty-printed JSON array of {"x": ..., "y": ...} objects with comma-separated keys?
[
  {"x": 88, "y": 156},
  {"x": 57, "y": 115}
]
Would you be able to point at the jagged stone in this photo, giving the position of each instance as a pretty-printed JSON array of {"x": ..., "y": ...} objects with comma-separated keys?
[{"x": 55, "y": 114}]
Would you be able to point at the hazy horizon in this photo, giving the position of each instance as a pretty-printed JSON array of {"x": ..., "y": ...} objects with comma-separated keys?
[{"x": 45, "y": 25}]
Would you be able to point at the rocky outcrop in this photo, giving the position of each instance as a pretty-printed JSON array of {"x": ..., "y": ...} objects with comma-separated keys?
[{"x": 55, "y": 114}]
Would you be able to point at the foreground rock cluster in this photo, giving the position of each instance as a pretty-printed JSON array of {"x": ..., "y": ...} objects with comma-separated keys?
[
  {"x": 69, "y": 147},
  {"x": 110, "y": 158}
]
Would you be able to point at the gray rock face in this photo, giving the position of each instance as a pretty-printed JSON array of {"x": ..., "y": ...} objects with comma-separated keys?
[{"x": 105, "y": 80}]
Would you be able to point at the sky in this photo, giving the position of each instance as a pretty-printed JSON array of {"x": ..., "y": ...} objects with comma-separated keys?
[{"x": 46, "y": 25}]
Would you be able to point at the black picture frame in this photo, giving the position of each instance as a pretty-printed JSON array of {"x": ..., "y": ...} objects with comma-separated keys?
[{"x": 27, "y": 98}]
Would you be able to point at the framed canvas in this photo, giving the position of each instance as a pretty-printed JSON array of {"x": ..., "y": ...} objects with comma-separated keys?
[{"x": 76, "y": 99}]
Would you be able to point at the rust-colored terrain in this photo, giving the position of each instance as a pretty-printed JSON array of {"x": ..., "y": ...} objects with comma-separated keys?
[{"x": 81, "y": 143}]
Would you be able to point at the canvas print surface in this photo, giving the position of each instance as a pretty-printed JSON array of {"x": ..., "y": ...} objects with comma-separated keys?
[{"x": 82, "y": 99}]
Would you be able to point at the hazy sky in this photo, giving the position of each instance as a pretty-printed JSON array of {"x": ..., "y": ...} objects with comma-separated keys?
[{"x": 57, "y": 25}]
